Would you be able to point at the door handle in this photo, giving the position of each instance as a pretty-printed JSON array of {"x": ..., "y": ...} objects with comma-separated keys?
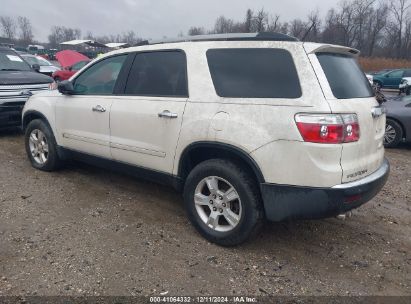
[
  {"x": 99, "y": 108},
  {"x": 167, "y": 114}
]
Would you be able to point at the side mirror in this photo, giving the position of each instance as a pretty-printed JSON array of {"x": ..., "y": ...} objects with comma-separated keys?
[
  {"x": 65, "y": 87},
  {"x": 36, "y": 67}
]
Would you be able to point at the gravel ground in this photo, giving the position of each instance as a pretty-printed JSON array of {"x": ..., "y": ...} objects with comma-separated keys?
[{"x": 86, "y": 231}]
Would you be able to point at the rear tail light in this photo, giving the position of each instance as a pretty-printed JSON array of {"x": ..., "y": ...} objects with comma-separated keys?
[{"x": 328, "y": 128}]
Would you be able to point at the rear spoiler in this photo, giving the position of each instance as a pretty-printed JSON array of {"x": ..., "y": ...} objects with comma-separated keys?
[{"x": 312, "y": 48}]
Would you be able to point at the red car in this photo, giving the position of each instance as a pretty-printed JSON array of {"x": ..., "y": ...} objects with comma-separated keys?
[{"x": 71, "y": 62}]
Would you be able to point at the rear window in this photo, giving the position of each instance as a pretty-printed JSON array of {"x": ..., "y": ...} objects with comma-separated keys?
[
  {"x": 345, "y": 76},
  {"x": 254, "y": 73}
]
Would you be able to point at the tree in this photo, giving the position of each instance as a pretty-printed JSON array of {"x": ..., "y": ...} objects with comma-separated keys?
[
  {"x": 399, "y": 9},
  {"x": 8, "y": 26},
  {"x": 223, "y": 25},
  {"x": 261, "y": 20},
  {"x": 274, "y": 25},
  {"x": 60, "y": 34},
  {"x": 195, "y": 31},
  {"x": 312, "y": 27},
  {"x": 248, "y": 24},
  {"x": 26, "y": 30}
]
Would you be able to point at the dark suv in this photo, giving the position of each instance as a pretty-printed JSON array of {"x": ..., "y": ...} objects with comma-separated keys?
[
  {"x": 391, "y": 79},
  {"x": 18, "y": 81}
]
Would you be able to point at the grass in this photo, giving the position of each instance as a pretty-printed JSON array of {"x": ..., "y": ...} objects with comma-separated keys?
[{"x": 371, "y": 64}]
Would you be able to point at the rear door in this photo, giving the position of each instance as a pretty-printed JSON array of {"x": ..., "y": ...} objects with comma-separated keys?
[
  {"x": 347, "y": 90},
  {"x": 145, "y": 122}
]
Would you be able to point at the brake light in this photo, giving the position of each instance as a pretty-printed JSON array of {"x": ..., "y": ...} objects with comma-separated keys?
[{"x": 328, "y": 128}]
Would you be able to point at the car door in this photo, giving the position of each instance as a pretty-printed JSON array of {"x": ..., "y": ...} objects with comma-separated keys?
[
  {"x": 145, "y": 122},
  {"x": 393, "y": 79},
  {"x": 82, "y": 118}
]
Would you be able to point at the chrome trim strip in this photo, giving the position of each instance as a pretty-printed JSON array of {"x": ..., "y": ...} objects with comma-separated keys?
[
  {"x": 385, "y": 167},
  {"x": 87, "y": 139},
  {"x": 137, "y": 150}
]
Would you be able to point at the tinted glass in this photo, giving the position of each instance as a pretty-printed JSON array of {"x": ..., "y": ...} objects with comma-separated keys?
[
  {"x": 345, "y": 76},
  {"x": 407, "y": 73},
  {"x": 158, "y": 74},
  {"x": 36, "y": 60},
  {"x": 100, "y": 78},
  {"x": 79, "y": 65},
  {"x": 11, "y": 61},
  {"x": 254, "y": 73},
  {"x": 396, "y": 74}
]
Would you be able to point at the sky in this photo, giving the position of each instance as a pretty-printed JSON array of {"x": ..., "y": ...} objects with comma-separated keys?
[{"x": 150, "y": 19}]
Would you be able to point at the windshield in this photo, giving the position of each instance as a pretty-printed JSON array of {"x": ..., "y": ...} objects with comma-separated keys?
[
  {"x": 10, "y": 61},
  {"x": 345, "y": 76},
  {"x": 36, "y": 60}
]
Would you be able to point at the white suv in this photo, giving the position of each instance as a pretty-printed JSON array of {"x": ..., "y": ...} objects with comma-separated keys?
[{"x": 248, "y": 126}]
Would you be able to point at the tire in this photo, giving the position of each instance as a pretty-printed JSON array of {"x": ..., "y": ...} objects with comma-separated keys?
[
  {"x": 408, "y": 91},
  {"x": 238, "y": 214},
  {"x": 393, "y": 134},
  {"x": 41, "y": 147},
  {"x": 378, "y": 85}
]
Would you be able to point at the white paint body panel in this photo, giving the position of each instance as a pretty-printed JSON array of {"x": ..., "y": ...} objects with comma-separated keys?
[
  {"x": 139, "y": 136},
  {"x": 131, "y": 131}
]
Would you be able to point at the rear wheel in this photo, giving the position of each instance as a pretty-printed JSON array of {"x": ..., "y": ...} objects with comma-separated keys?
[
  {"x": 223, "y": 202},
  {"x": 393, "y": 134}
]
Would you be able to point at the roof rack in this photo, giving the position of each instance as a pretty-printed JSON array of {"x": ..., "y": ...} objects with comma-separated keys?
[{"x": 264, "y": 36}]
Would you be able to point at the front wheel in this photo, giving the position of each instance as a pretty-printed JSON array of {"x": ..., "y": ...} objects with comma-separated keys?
[
  {"x": 41, "y": 146},
  {"x": 223, "y": 202}
]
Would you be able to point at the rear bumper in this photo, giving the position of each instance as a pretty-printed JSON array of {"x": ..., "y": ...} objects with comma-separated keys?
[
  {"x": 292, "y": 202},
  {"x": 10, "y": 116}
]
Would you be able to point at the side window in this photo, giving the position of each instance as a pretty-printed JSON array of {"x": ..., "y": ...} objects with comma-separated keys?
[
  {"x": 79, "y": 65},
  {"x": 407, "y": 73},
  {"x": 254, "y": 73},
  {"x": 160, "y": 73},
  {"x": 396, "y": 74},
  {"x": 100, "y": 78}
]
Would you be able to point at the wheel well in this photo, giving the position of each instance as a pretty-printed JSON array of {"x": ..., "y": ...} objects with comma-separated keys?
[
  {"x": 404, "y": 135},
  {"x": 199, "y": 152},
  {"x": 30, "y": 116}
]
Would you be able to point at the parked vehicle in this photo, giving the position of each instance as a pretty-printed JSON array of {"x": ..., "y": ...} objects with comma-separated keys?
[
  {"x": 370, "y": 78},
  {"x": 392, "y": 79},
  {"x": 18, "y": 80},
  {"x": 405, "y": 86},
  {"x": 240, "y": 123},
  {"x": 71, "y": 62},
  {"x": 380, "y": 72},
  {"x": 46, "y": 67},
  {"x": 398, "y": 127}
]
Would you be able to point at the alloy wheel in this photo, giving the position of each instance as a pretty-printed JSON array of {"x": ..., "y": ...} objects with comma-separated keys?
[
  {"x": 390, "y": 134},
  {"x": 39, "y": 147},
  {"x": 218, "y": 204}
]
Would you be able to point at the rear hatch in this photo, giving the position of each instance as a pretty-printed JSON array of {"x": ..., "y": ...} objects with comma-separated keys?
[{"x": 348, "y": 91}]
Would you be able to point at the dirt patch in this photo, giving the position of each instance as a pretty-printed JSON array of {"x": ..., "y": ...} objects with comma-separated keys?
[{"x": 86, "y": 231}]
